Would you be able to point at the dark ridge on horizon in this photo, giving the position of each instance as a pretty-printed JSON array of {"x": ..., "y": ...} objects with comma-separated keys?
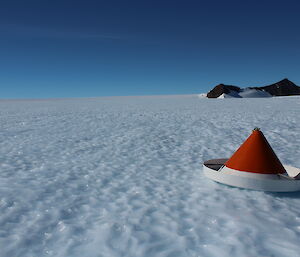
[{"x": 284, "y": 87}]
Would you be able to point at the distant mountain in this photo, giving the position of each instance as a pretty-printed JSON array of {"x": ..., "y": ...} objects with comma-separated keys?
[
  {"x": 284, "y": 87},
  {"x": 222, "y": 89}
]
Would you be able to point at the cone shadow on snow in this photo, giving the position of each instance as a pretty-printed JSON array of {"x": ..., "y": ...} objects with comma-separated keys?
[
  {"x": 274, "y": 194},
  {"x": 284, "y": 194}
]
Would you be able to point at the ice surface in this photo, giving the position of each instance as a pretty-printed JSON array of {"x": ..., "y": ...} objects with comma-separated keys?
[{"x": 123, "y": 177}]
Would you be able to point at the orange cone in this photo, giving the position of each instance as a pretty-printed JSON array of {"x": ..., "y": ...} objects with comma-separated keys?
[{"x": 256, "y": 155}]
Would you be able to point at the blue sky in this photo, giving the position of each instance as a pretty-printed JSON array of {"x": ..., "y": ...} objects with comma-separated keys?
[{"x": 105, "y": 48}]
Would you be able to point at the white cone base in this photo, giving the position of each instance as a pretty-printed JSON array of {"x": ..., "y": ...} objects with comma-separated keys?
[{"x": 271, "y": 183}]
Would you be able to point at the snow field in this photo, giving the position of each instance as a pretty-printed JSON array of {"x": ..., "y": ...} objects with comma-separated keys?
[
  {"x": 122, "y": 176},
  {"x": 246, "y": 93}
]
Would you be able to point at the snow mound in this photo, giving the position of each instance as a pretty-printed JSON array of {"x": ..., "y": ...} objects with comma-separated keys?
[
  {"x": 122, "y": 176},
  {"x": 246, "y": 93},
  {"x": 231, "y": 94},
  {"x": 202, "y": 95}
]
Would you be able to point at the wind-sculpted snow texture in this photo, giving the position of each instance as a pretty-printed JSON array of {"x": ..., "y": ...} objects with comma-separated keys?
[{"x": 122, "y": 176}]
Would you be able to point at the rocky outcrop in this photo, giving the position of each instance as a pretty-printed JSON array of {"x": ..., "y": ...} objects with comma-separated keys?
[
  {"x": 222, "y": 89},
  {"x": 284, "y": 87}
]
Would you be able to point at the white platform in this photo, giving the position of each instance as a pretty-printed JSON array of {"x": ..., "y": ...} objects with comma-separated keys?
[{"x": 264, "y": 182}]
